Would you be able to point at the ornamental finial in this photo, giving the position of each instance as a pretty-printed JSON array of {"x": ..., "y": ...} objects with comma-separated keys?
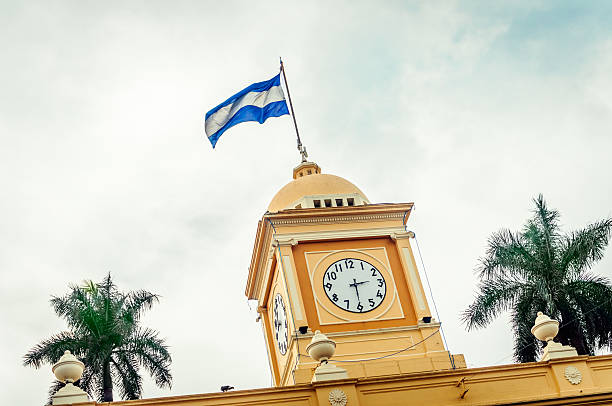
[{"x": 303, "y": 152}]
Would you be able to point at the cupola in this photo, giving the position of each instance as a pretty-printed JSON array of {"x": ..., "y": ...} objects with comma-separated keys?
[{"x": 312, "y": 189}]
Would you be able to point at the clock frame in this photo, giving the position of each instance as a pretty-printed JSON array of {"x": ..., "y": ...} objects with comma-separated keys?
[
  {"x": 346, "y": 277},
  {"x": 328, "y": 312}
]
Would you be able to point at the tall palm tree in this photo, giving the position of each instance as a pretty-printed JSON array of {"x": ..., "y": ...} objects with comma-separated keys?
[
  {"x": 542, "y": 269},
  {"x": 104, "y": 332}
]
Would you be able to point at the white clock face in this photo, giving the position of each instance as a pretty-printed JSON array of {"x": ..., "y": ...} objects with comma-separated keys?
[
  {"x": 280, "y": 323},
  {"x": 354, "y": 285}
]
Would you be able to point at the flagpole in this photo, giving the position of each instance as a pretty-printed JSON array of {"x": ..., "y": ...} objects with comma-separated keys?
[{"x": 300, "y": 147}]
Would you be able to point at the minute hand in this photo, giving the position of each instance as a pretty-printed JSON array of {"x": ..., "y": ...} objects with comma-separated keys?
[{"x": 355, "y": 284}]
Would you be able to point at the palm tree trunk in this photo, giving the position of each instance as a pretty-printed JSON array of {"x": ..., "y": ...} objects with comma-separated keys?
[
  {"x": 572, "y": 334},
  {"x": 107, "y": 383}
]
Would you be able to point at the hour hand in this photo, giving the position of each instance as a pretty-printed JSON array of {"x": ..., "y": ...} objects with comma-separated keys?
[{"x": 354, "y": 284}]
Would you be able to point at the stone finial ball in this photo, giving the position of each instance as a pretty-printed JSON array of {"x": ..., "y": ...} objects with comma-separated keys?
[
  {"x": 321, "y": 348},
  {"x": 545, "y": 328},
  {"x": 68, "y": 368}
]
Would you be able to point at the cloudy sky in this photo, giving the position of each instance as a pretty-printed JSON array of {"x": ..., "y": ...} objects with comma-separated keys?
[{"x": 467, "y": 109}]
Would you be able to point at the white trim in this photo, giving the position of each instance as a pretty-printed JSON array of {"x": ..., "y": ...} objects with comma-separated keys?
[
  {"x": 293, "y": 292},
  {"x": 372, "y": 331},
  {"x": 294, "y": 238},
  {"x": 414, "y": 279},
  {"x": 336, "y": 219}
]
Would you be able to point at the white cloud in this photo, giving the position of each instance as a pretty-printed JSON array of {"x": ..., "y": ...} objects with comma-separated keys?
[{"x": 105, "y": 166}]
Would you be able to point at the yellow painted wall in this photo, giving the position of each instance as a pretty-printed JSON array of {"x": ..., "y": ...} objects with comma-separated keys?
[{"x": 541, "y": 383}]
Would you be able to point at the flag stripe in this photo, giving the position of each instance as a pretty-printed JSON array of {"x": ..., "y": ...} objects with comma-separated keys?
[
  {"x": 221, "y": 116},
  {"x": 252, "y": 113},
  {"x": 255, "y": 87}
]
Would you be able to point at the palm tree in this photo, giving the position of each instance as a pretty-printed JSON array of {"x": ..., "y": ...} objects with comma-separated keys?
[
  {"x": 542, "y": 269},
  {"x": 104, "y": 332}
]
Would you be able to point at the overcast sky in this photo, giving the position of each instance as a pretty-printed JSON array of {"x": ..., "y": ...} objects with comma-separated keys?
[{"x": 468, "y": 109}]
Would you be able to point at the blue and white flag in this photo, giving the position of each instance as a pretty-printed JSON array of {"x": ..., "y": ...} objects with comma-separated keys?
[{"x": 255, "y": 103}]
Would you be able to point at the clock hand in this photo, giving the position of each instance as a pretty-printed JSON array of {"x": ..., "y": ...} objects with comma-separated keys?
[{"x": 356, "y": 289}]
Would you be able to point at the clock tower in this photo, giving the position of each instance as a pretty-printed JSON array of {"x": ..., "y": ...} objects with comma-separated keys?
[{"x": 326, "y": 258}]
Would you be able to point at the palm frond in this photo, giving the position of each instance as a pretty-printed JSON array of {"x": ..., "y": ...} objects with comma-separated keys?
[
  {"x": 581, "y": 249},
  {"x": 136, "y": 303},
  {"x": 127, "y": 375},
  {"x": 50, "y": 350},
  {"x": 495, "y": 296},
  {"x": 506, "y": 254},
  {"x": 526, "y": 346},
  {"x": 592, "y": 297},
  {"x": 55, "y": 386},
  {"x": 152, "y": 353}
]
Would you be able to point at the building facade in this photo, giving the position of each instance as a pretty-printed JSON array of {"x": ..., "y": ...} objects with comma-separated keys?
[{"x": 327, "y": 259}]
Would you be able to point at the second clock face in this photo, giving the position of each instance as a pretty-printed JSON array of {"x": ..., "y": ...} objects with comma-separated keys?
[
  {"x": 354, "y": 285},
  {"x": 280, "y": 323}
]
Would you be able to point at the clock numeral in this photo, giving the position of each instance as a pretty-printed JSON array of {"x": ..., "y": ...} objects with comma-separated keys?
[
  {"x": 347, "y": 304},
  {"x": 361, "y": 265},
  {"x": 349, "y": 263},
  {"x": 359, "y": 306},
  {"x": 381, "y": 282},
  {"x": 328, "y": 286},
  {"x": 378, "y": 294},
  {"x": 331, "y": 275},
  {"x": 335, "y": 297},
  {"x": 373, "y": 271},
  {"x": 371, "y": 301}
]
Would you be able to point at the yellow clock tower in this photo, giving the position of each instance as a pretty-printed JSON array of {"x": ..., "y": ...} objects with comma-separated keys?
[{"x": 326, "y": 258}]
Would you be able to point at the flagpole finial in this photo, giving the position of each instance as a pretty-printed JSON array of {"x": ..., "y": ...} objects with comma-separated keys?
[{"x": 302, "y": 150}]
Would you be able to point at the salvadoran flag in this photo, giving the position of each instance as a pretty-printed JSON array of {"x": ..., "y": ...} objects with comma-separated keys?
[{"x": 255, "y": 103}]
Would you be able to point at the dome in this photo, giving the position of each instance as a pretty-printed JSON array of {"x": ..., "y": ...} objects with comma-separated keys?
[{"x": 311, "y": 189}]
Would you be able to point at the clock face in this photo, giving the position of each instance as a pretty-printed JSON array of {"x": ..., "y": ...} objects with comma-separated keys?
[
  {"x": 354, "y": 285},
  {"x": 280, "y": 323}
]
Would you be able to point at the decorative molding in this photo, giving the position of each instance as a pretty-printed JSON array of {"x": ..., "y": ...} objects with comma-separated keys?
[
  {"x": 285, "y": 241},
  {"x": 294, "y": 238},
  {"x": 573, "y": 375},
  {"x": 337, "y": 219},
  {"x": 371, "y": 331},
  {"x": 337, "y": 397}
]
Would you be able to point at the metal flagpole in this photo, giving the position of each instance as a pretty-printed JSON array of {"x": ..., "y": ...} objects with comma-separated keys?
[{"x": 300, "y": 147}]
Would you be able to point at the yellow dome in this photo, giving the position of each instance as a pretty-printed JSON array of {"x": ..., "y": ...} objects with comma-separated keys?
[{"x": 309, "y": 181}]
